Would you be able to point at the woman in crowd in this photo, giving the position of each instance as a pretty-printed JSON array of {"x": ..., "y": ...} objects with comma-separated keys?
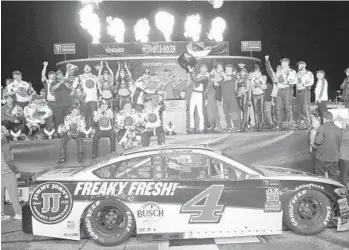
[
  {"x": 258, "y": 86},
  {"x": 106, "y": 84},
  {"x": 243, "y": 90},
  {"x": 124, "y": 84}
]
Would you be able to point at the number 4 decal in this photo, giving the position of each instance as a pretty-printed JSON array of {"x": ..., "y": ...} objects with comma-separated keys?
[{"x": 209, "y": 211}]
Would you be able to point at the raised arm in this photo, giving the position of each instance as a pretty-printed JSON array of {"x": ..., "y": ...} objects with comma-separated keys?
[
  {"x": 43, "y": 72},
  {"x": 128, "y": 71}
]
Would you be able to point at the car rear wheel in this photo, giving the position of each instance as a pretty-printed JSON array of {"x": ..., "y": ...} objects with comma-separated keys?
[
  {"x": 109, "y": 222},
  {"x": 308, "y": 212}
]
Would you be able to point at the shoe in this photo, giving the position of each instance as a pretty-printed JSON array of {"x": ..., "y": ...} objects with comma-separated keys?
[
  {"x": 5, "y": 217},
  {"x": 227, "y": 129},
  {"x": 61, "y": 161},
  {"x": 18, "y": 217},
  {"x": 217, "y": 129}
]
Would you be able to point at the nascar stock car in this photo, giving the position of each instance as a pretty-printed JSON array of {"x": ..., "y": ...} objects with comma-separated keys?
[{"x": 179, "y": 192}]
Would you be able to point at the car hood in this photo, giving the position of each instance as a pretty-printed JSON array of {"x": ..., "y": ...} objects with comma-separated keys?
[
  {"x": 280, "y": 171},
  {"x": 58, "y": 172}
]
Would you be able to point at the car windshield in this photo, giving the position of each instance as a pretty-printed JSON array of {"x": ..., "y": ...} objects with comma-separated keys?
[{"x": 242, "y": 162}]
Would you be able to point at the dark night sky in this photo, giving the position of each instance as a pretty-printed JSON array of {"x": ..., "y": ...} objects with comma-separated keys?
[{"x": 316, "y": 32}]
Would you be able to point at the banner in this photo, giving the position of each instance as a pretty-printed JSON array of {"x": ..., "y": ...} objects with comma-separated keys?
[{"x": 152, "y": 49}]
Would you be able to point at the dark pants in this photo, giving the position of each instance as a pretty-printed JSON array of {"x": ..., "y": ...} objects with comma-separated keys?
[
  {"x": 103, "y": 133},
  {"x": 139, "y": 107},
  {"x": 79, "y": 144},
  {"x": 322, "y": 108},
  {"x": 258, "y": 107},
  {"x": 87, "y": 110},
  {"x": 283, "y": 106},
  {"x": 321, "y": 167},
  {"x": 22, "y": 104},
  {"x": 60, "y": 114},
  {"x": 243, "y": 103},
  {"x": 15, "y": 126},
  {"x": 303, "y": 100},
  {"x": 232, "y": 112},
  {"x": 344, "y": 171},
  {"x": 346, "y": 103},
  {"x": 160, "y": 134}
]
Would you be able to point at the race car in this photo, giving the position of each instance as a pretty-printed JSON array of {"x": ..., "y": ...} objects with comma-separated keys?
[{"x": 179, "y": 192}]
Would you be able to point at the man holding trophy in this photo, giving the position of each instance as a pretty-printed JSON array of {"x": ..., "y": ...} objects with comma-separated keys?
[{"x": 104, "y": 118}]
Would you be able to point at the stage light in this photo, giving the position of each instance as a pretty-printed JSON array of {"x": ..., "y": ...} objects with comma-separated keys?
[
  {"x": 90, "y": 22},
  {"x": 216, "y": 3},
  {"x": 193, "y": 27},
  {"x": 218, "y": 27},
  {"x": 165, "y": 22},
  {"x": 141, "y": 30},
  {"x": 116, "y": 29}
]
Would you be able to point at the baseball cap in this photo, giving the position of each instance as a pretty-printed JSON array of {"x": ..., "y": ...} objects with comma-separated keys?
[
  {"x": 285, "y": 60},
  {"x": 301, "y": 62},
  {"x": 16, "y": 72}
]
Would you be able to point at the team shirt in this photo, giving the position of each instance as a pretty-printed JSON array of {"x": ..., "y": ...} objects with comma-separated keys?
[
  {"x": 151, "y": 116},
  {"x": 127, "y": 119},
  {"x": 35, "y": 112},
  {"x": 73, "y": 124},
  {"x": 104, "y": 119},
  {"x": 286, "y": 77},
  {"x": 22, "y": 89},
  {"x": 305, "y": 79},
  {"x": 89, "y": 84}
]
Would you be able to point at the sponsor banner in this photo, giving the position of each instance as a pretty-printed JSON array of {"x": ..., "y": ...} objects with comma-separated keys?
[
  {"x": 251, "y": 46},
  {"x": 64, "y": 48},
  {"x": 152, "y": 49}
]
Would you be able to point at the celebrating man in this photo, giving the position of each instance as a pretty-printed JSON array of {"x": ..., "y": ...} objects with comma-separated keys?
[
  {"x": 200, "y": 82},
  {"x": 304, "y": 83},
  {"x": 104, "y": 117},
  {"x": 22, "y": 89},
  {"x": 285, "y": 77},
  {"x": 47, "y": 82}
]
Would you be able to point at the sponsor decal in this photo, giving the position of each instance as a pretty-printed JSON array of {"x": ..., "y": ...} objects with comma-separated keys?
[
  {"x": 272, "y": 206},
  {"x": 127, "y": 188},
  {"x": 159, "y": 49},
  {"x": 291, "y": 206},
  {"x": 70, "y": 234},
  {"x": 70, "y": 225},
  {"x": 110, "y": 50},
  {"x": 271, "y": 183},
  {"x": 88, "y": 218},
  {"x": 129, "y": 221},
  {"x": 51, "y": 203},
  {"x": 252, "y": 177},
  {"x": 343, "y": 205},
  {"x": 328, "y": 216},
  {"x": 309, "y": 186},
  {"x": 150, "y": 211},
  {"x": 273, "y": 194}
]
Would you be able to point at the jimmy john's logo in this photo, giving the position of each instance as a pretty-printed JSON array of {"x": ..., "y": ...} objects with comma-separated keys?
[
  {"x": 51, "y": 203},
  {"x": 116, "y": 188},
  {"x": 150, "y": 211},
  {"x": 159, "y": 49}
]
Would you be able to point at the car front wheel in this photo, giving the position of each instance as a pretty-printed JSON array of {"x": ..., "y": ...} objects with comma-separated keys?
[
  {"x": 308, "y": 212},
  {"x": 109, "y": 222}
]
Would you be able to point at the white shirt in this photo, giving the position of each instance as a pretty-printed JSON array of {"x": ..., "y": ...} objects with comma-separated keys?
[
  {"x": 321, "y": 83},
  {"x": 23, "y": 90},
  {"x": 305, "y": 79},
  {"x": 50, "y": 94},
  {"x": 200, "y": 77},
  {"x": 89, "y": 83}
]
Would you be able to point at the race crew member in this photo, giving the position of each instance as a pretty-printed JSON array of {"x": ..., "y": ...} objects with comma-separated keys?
[
  {"x": 200, "y": 82},
  {"x": 89, "y": 83},
  {"x": 104, "y": 118},
  {"x": 106, "y": 82},
  {"x": 231, "y": 109},
  {"x": 72, "y": 127},
  {"x": 345, "y": 88},
  {"x": 38, "y": 115},
  {"x": 304, "y": 82},
  {"x": 258, "y": 86},
  {"x": 126, "y": 122},
  {"x": 151, "y": 119},
  {"x": 243, "y": 90},
  {"x": 47, "y": 82},
  {"x": 141, "y": 90},
  {"x": 22, "y": 89},
  {"x": 285, "y": 78},
  {"x": 123, "y": 81}
]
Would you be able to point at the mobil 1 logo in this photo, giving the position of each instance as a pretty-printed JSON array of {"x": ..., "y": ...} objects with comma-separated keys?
[{"x": 51, "y": 203}]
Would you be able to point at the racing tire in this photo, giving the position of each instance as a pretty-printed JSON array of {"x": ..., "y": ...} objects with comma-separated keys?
[
  {"x": 308, "y": 212},
  {"x": 104, "y": 215}
]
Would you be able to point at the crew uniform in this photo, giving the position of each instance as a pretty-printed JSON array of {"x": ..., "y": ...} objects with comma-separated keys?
[
  {"x": 104, "y": 119},
  {"x": 284, "y": 77},
  {"x": 37, "y": 111},
  {"x": 151, "y": 118},
  {"x": 303, "y": 86},
  {"x": 72, "y": 128},
  {"x": 197, "y": 98},
  {"x": 125, "y": 121}
]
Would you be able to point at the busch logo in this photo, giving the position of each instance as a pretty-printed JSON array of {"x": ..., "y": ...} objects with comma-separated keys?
[
  {"x": 159, "y": 49},
  {"x": 150, "y": 211}
]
